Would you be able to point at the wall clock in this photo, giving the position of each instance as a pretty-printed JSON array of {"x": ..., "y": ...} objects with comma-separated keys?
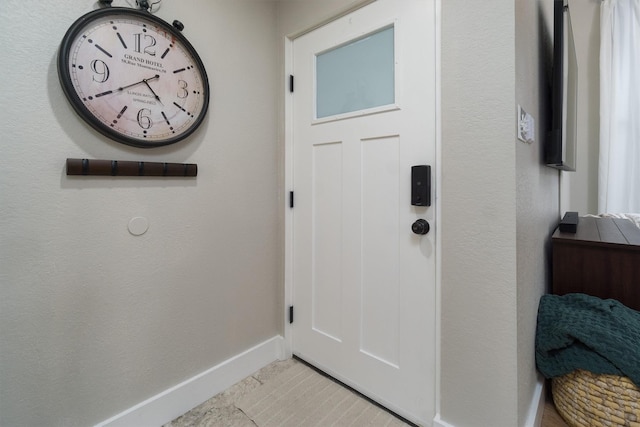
[{"x": 133, "y": 77}]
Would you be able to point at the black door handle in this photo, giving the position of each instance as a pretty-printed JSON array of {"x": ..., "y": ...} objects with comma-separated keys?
[{"x": 421, "y": 226}]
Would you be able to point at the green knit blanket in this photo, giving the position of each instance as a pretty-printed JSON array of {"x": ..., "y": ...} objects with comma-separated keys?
[{"x": 577, "y": 331}]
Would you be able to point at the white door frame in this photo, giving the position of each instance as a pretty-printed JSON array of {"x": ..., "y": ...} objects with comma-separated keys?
[{"x": 288, "y": 185}]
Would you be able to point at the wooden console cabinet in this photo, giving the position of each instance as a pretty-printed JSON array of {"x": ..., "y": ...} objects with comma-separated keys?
[{"x": 601, "y": 259}]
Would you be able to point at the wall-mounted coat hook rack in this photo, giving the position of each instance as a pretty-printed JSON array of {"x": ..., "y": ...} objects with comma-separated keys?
[{"x": 96, "y": 167}]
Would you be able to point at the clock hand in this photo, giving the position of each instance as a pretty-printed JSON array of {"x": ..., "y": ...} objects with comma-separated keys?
[
  {"x": 137, "y": 83},
  {"x": 152, "y": 91},
  {"x": 98, "y": 95}
]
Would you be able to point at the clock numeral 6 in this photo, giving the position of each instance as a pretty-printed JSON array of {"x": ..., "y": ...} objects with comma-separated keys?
[
  {"x": 150, "y": 40},
  {"x": 144, "y": 118},
  {"x": 101, "y": 70}
]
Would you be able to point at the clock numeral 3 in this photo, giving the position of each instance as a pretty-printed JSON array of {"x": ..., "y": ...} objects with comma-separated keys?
[
  {"x": 182, "y": 89},
  {"x": 150, "y": 40},
  {"x": 101, "y": 70}
]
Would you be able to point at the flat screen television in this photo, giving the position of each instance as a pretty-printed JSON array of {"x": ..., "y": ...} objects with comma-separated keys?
[{"x": 560, "y": 148}]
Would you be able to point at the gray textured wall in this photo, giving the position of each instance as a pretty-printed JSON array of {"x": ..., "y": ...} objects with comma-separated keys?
[{"x": 92, "y": 319}]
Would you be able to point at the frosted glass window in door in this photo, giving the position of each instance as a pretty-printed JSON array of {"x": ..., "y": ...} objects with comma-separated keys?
[{"x": 356, "y": 76}]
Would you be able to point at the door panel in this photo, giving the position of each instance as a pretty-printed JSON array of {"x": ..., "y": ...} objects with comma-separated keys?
[
  {"x": 363, "y": 283},
  {"x": 380, "y": 231},
  {"x": 327, "y": 239}
]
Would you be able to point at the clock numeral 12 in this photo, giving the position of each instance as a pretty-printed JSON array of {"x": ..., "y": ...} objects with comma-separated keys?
[{"x": 151, "y": 41}]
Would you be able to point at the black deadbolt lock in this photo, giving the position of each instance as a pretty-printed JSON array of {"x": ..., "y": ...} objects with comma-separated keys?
[{"x": 421, "y": 185}]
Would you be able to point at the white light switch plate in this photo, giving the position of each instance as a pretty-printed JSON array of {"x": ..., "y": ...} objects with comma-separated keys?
[{"x": 526, "y": 126}]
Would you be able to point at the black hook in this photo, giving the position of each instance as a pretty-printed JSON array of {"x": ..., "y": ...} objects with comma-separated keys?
[{"x": 144, "y": 4}]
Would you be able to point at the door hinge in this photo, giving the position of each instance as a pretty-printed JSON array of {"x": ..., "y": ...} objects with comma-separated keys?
[
  {"x": 291, "y": 83},
  {"x": 290, "y": 314},
  {"x": 291, "y": 199}
]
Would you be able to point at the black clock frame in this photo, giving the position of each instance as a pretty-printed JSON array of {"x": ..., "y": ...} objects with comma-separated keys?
[{"x": 64, "y": 75}]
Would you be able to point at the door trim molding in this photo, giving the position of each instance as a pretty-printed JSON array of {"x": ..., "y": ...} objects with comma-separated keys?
[
  {"x": 288, "y": 187},
  {"x": 337, "y": 15},
  {"x": 436, "y": 199}
]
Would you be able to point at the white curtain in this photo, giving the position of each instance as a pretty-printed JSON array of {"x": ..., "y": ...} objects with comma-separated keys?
[{"x": 619, "y": 165}]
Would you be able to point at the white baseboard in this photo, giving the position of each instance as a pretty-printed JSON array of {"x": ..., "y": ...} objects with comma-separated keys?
[
  {"x": 536, "y": 408},
  {"x": 177, "y": 400},
  {"x": 437, "y": 422},
  {"x": 534, "y": 416}
]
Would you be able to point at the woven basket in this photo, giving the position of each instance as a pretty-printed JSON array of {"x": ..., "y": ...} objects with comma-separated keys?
[{"x": 585, "y": 399}]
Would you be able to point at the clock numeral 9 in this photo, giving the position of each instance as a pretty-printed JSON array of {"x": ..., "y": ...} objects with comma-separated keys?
[
  {"x": 144, "y": 118},
  {"x": 182, "y": 89},
  {"x": 150, "y": 40},
  {"x": 101, "y": 70}
]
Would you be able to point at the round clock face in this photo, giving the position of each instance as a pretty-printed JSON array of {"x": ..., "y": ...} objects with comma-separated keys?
[{"x": 133, "y": 77}]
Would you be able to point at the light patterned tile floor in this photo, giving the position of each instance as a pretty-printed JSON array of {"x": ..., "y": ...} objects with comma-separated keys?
[{"x": 221, "y": 410}]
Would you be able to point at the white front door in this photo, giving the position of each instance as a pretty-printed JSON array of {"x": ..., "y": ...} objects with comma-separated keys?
[{"x": 363, "y": 283}]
